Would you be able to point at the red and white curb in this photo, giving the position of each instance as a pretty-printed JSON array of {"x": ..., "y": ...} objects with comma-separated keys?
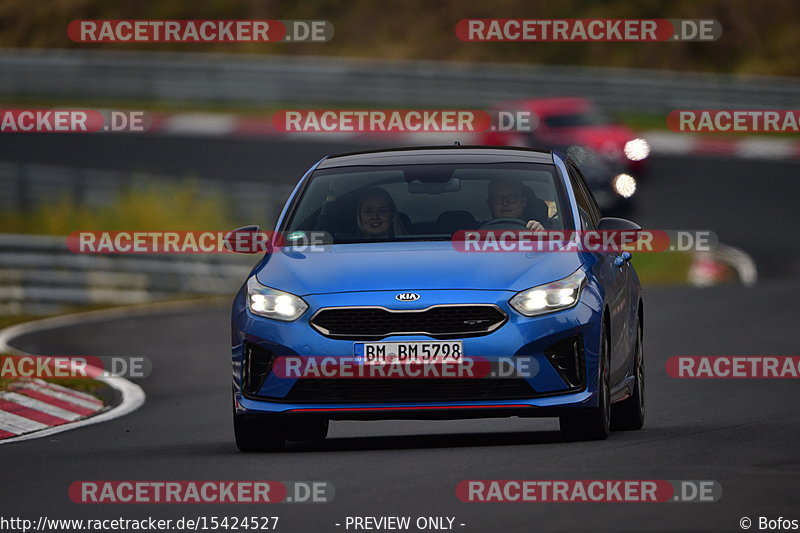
[
  {"x": 661, "y": 142},
  {"x": 32, "y": 409},
  {"x": 668, "y": 143},
  {"x": 33, "y": 404}
]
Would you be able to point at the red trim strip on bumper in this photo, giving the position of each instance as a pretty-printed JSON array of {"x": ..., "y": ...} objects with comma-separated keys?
[{"x": 411, "y": 408}]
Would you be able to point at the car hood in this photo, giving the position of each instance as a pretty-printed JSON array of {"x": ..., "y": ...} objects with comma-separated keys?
[{"x": 409, "y": 266}]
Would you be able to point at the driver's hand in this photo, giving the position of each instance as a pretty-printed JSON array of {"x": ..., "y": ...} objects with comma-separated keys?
[{"x": 534, "y": 225}]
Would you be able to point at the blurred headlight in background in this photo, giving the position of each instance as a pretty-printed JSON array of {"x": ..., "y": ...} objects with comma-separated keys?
[
  {"x": 624, "y": 185},
  {"x": 272, "y": 303},
  {"x": 637, "y": 149}
]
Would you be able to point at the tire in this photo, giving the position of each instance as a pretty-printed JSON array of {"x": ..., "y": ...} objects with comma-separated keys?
[
  {"x": 629, "y": 413},
  {"x": 315, "y": 429},
  {"x": 259, "y": 434},
  {"x": 595, "y": 424}
]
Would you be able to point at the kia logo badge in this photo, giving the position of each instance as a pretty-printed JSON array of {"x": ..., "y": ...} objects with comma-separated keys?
[{"x": 407, "y": 297}]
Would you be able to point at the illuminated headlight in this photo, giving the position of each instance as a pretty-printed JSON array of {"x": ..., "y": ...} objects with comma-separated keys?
[
  {"x": 624, "y": 185},
  {"x": 637, "y": 149},
  {"x": 554, "y": 296},
  {"x": 272, "y": 303}
]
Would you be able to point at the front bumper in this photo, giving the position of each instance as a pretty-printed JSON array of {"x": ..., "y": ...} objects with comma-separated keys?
[{"x": 530, "y": 337}]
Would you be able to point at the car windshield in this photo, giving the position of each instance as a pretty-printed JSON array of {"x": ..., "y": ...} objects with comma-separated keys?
[
  {"x": 427, "y": 202},
  {"x": 577, "y": 120}
]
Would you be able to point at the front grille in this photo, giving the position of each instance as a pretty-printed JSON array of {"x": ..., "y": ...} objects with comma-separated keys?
[
  {"x": 442, "y": 321},
  {"x": 408, "y": 390}
]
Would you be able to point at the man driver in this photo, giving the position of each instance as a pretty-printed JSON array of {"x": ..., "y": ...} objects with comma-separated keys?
[{"x": 507, "y": 199}]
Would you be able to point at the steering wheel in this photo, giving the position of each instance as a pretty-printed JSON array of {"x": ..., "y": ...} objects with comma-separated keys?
[{"x": 504, "y": 223}]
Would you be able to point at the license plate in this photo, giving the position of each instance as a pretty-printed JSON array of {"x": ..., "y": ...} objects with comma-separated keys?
[{"x": 372, "y": 353}]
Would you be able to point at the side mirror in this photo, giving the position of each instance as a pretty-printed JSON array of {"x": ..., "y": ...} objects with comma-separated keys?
[
  {"x": 247, "y": 240},
  {"x": 617, "y": 224}
]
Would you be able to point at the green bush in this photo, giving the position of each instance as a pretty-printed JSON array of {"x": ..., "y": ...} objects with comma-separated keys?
[{"x": 154, "y": 207}]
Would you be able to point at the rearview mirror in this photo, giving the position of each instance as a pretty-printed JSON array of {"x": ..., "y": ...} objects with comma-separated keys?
[{"x": 434, "y": 187}]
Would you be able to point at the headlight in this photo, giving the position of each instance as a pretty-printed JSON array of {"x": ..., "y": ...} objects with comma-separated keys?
[
  {"x": 554, "y": 296},
  {"x": 272, "y": 303},
  {"x": 624, "y": 185},
  {"x": 637, "y": 149}
]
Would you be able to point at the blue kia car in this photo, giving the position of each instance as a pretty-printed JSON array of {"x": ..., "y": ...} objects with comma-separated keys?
[{"x": 372, "y": 261}]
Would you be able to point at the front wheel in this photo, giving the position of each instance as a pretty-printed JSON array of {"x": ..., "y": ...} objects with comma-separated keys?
[
  {"x": 629, "y": 413},
  {"x": 593, "y": 425}
]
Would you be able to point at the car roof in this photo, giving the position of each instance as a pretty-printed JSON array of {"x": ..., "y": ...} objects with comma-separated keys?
[{"x": 439, "y": 154}]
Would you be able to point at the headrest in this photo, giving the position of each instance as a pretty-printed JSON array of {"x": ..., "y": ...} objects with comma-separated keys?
[
  {"x": 451, "y": 221},
  {"x": 535, "y": 209}
]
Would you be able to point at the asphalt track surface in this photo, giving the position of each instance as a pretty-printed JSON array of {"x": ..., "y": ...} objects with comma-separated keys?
[{"x": 741, "y": 433}]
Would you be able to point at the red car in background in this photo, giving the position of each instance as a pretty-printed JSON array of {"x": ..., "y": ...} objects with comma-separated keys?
[{"x": 563, "y": 122}]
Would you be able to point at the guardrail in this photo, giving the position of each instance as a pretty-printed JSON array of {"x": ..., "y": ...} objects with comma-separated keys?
[
  {"x": 40, "y": 275},
  {"x": 178, "y": 78}
]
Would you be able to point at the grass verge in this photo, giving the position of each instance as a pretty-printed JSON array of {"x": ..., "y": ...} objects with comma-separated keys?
[
  {"x": 662, "y": 268},
  {"x": 178, "y": 206}
]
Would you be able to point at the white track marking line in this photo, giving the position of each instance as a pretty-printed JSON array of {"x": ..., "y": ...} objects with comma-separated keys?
[
  {"x": 767, "y": 148},
  {"x": 201, "y": 124},
  {"x": 133, "y": 396},
  {"x": 669, "y": 143},
  {"x": 89, "y": 317}
]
